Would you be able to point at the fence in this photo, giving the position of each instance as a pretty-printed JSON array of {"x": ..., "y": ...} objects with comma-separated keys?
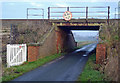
[
  {"x": 40, "y": 9},
  {"x": 16, "y": 54},
  {"x": 80, "y": 12}
]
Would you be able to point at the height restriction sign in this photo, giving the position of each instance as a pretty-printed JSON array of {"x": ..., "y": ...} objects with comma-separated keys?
[{"x": 67, "y": 15}]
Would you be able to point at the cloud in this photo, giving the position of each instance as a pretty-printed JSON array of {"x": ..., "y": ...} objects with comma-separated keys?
[
  {"x": 58, "y": 0},
  {"x": 61, "y": 5},
  {"x": 93, "y": 0},
  {"x": 11, "y": 4},
  {"x": 35, "y": 4}
]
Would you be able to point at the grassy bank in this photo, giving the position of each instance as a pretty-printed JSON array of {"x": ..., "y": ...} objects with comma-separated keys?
[
  {"x": 91, "y": 71},
  {"x": 13, "y": 72},
  {"x": 109, "y": 36}
]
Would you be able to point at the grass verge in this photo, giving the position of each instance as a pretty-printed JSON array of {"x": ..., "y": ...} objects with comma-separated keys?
[
  {"x": 91, "y": 71},
  {"x": 16, "y": 71}
]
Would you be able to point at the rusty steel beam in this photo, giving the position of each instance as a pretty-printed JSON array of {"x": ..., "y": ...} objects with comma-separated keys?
[
  {"x": 79, "y": 24},
  {"x": 67, "y": 8},
  {"x": 27, "y": 13},
  {"x": 56, "y": 12},
  {"x": 48, "y": 12},
  {"x": 98, "y": 12},
  {"x": 108, "y": 13},
  {"x": 83, "y": 12},
  {"x": 86, "y": 14},
  {"x": 99, "y": 7},
  {"x": 35, "y": 8},
  {"x": 77, "y": 7},
  {"x": 55, "y": 16},
  {"x": 58, "y": 7},
  {"x": 77, "y": 12}
]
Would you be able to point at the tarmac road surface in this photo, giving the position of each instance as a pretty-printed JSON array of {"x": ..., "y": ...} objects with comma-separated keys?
[{"x": 66, "y": 68}]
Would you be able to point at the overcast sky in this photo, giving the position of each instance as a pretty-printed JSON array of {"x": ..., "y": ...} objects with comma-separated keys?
[
  {"x": 12, "y": 9},
  {"x": 83, "y": 33}
]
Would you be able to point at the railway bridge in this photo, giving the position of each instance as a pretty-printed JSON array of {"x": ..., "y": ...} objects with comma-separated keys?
[
  {"x": 64, "y": 19},
  {"x": 76, "y": 18}
]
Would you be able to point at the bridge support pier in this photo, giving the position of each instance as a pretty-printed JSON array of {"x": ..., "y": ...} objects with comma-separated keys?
[{"x": 65, "y": 40}]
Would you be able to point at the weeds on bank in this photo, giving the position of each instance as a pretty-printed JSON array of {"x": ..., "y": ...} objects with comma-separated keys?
[{"x": 91, "y": 71}]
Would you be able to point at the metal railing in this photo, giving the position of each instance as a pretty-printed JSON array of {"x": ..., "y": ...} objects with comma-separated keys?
[
  {"x": 104, "y": 11},
  {"x": 41, "y": 14},
  {"x": 117, "y": 13}
]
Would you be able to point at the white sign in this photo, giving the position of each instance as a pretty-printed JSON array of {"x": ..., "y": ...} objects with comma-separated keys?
[{"x": 67, "y": 15}]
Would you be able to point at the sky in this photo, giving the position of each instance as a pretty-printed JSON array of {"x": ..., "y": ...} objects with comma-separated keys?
[
  {"x": 81, "y": 32},
  {"x": 17, "y": 9},
  {"x": 85, "y": 35}
]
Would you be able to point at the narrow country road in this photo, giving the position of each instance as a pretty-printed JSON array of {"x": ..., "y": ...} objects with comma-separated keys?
[{"x": 66, "y": 68}]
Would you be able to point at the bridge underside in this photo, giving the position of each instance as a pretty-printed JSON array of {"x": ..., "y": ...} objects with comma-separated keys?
[
  {"x": 67, "y": 28},
  {"x": 65, "y": 38}
]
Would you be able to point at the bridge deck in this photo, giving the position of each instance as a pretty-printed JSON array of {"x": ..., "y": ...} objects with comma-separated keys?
[
  {"x": 79, "y": 22},
  {"x": 82, "y": 22},
  {"x": 73, "y": 22}
]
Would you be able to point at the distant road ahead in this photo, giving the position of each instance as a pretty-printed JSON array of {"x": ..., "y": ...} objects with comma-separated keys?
[{"x": 66, "y": 68}]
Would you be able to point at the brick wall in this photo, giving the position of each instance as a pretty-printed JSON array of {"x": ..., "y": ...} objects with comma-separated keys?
[
  {"x": 33, "y": 53},
  {"x": 65, "y": 40},
  {"x": 100, "y": 53}
]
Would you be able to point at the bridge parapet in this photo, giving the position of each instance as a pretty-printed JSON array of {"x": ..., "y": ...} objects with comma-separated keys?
[
  {"x": 79, "y": 22},
  {"x": 85, "y": 13}
]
